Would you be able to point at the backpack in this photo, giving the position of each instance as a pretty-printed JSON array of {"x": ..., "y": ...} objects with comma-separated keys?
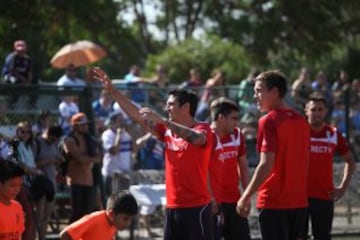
[{"x": 65, "y": 164}]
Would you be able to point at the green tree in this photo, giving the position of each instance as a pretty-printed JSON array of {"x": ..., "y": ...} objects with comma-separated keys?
[{"x": 207, "y": 55}]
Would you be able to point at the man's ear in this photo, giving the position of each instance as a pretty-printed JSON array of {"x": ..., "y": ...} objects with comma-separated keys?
[{"x": 186, "y": 106}]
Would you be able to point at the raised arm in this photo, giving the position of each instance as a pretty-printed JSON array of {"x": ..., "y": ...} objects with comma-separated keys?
[{"x": 126, "y": 105}]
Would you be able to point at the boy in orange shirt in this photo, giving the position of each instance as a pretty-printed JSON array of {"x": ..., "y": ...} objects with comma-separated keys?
[
  {"x": 121, "y": 207},
  {"x": 12, "y": 215}
]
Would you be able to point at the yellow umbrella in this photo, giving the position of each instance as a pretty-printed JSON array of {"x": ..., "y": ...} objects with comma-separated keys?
[{"x": 79, "y": 53}]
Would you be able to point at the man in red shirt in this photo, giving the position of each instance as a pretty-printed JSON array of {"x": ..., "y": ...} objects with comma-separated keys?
[
  {"x": 228, "y": 166},
  {"x": 187, "y": 155},
  {"x": 283, "y": 142},
  {"x": 324, "y": 142}
]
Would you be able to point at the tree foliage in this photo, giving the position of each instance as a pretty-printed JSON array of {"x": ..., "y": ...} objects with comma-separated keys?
[
  {"x": 207, "y": 55},
  {"x": 267, "y": 33}
]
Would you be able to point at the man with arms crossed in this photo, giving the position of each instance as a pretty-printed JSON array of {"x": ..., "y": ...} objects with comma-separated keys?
[
  {"x": 187, "y": 156},
  {"x": 225, "y": 117},
  {"x": 325, "y": 140},
  {"x": 283, "y": 141}
]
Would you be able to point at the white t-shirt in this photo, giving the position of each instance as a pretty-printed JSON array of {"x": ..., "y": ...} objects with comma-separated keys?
[
  {"x": 120, "y": 162},
  {"x": 67, "y": 109},
  {"x": 65, "y": 81}
]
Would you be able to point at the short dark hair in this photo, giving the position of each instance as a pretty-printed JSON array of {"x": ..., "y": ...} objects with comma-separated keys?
[
  {"x": 122, "y": 202},
  {"x": 222, "y": 105},
  {"x": 184, "y": 96},
  {"x": 274, "y": 78},
  {"x": 317, "y": 97},
  {"x": 9, "y": 170}
]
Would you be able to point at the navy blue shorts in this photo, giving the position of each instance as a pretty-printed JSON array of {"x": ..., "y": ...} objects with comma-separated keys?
[
  {"x": 235, "y": 227},
  {"x": 188, "y": 223},
  {"x": 321, "y": 214},
  {"x": 282, "y": 224}
]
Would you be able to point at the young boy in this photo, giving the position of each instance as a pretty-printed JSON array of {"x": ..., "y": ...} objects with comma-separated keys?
[
  {"x": 12, "y": 215},
  {"x": 120, "y": 210}
]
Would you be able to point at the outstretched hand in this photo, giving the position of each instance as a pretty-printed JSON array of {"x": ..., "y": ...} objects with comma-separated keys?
[{"x": 101, "y": 75}]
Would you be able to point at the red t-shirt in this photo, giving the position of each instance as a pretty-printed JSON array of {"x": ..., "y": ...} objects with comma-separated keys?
[
  {"x": 285, "y": 133},
  {"x": 11, "y": 220},
  {"x": 93, "y": 226},
  {"x": 323, "y": 145},
  {"x": 233, "y": 147},
  {"x": 186, "y": 168},
  {"x": 216, "y": 169}
]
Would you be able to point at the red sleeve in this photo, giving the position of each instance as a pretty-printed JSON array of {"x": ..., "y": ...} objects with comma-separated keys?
[
  {"x": 268, "y": 135},
  {"x": 242, "y": 147},
  {"x": 160, "y": 129},
  {"x": 342, "y": 147},
  {"x": 204, "y": 127}
]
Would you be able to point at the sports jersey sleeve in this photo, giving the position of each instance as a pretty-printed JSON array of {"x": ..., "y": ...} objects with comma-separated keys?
[
  {"x": 80, "y": 228},
  {"x": 342, "y": 146},
  {"x": 160, "y": 129},
  {"x": 242, "y": 147},
  {"x": 267, "y": 135},
  {"x": 209, "y": 133}
]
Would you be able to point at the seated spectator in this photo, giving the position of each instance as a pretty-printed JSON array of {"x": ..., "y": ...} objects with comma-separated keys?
[
  {"x": 214, "y": 87},
  {"x": 67, "y": 109},
  {"x": 17, "y": 68},
  {"x": 193, "y": 82},
  {"x": 69, "y": 78},
  {"x": 134, "y": 84},
  {"x": 157, "y": 92}
]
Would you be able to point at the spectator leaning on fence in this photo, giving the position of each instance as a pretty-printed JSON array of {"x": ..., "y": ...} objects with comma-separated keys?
[{"x": 325, "y": 141}]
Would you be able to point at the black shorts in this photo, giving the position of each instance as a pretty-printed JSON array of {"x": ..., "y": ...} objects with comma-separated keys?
[
  {"x": 321, "y": 214},
  {"x": 282, "y": 224},
  {"x": 235, "y": 227},
  {"x": 188, "y": 223}
]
